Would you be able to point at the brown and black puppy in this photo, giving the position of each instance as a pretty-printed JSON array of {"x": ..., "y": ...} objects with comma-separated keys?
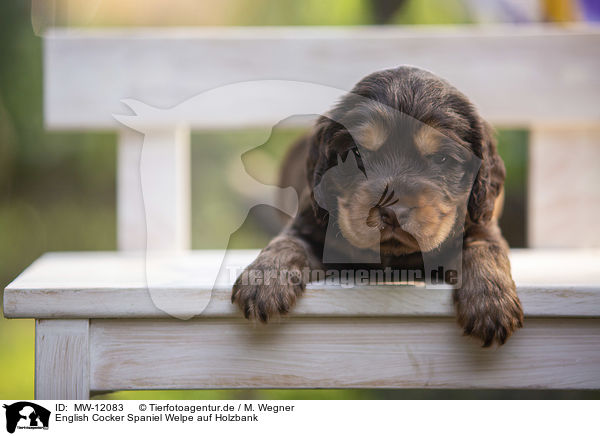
[{"x": 403, "y": 173}]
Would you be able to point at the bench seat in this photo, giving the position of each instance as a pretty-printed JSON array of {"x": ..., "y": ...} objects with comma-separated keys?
[
  {"x": 551, "y": 283},
  {"x": 97, "y": 329}
]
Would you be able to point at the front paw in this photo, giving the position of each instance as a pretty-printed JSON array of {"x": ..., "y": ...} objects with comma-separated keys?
[
  {"x": 266, "y": 290},
  {"x": 488, "y": 312}
]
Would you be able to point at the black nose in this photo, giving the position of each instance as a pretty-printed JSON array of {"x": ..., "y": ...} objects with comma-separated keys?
[{"x": 390, "y": 216}]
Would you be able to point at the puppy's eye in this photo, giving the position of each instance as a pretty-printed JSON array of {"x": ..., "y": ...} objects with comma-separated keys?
[
  {"x": 440, "y": 158},
  {"x": 359, "y": 161}
]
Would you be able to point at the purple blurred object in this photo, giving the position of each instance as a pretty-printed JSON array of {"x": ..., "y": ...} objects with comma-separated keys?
[{"x": 590, "y": 9}]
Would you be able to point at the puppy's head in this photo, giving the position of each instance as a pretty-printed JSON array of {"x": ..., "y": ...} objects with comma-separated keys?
[{"x": 402, "y": 161}]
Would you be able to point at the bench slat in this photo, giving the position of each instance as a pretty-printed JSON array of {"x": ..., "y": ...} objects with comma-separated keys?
[
  {"x": 516, "y": 74},
  {"x": 339, "y": 353},
  {"x": 551, "y": 283}
]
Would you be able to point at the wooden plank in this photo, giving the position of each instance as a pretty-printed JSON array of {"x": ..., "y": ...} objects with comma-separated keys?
[
  {"x": 516, "y": 74},
  {"x": 340, "y": 353},
  {"x": 99, "y": 285},
  {"x": 165, "y": 181},
  {"x": 564, "y": 187},
  {"x": 153, "y": 189},
  {"x": 131, "y": 214},
  {"x": 374, "y": 301},
  {"x": 62, "y": 359}
]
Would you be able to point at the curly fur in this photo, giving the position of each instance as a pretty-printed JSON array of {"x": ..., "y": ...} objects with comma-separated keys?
[{"x": 487, "y": 305}]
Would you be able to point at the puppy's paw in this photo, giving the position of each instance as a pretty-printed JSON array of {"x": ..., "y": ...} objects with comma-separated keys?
[
  {"x": 490, "y": 314},
  {"x": 264, "y": 291}
]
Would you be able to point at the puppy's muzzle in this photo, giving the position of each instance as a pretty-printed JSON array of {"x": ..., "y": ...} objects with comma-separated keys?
[{"x": 391, "y": 216}]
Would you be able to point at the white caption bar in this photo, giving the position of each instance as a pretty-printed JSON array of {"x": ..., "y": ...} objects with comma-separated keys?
[{"x": 295, "y": 417}]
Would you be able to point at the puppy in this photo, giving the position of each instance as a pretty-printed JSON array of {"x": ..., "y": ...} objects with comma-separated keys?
[{"x": 403, "y": 173}]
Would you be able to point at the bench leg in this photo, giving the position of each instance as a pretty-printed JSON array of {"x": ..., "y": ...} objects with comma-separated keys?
[
  {"x": 564, "y": 187},
  {"x": 62, "y": 359}
]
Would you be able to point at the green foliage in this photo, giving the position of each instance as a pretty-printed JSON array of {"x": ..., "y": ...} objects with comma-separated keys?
[
  {"x": 512, "y": 146},
  {"x": 431, "y": 12},
  {"x": 308, "y": 12},
  {"x": 57, "y": 190}
]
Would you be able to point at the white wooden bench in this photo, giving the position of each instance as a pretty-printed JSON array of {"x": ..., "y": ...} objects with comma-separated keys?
[{"x": 96, "y": 326}]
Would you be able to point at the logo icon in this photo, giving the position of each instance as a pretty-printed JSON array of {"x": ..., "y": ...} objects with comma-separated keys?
[{"x": 26, "y": 415}]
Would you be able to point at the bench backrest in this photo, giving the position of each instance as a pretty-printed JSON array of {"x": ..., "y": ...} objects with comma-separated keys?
[{"x": 539, "y": 77}]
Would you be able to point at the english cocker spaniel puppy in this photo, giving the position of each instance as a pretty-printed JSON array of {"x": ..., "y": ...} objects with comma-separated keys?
[{"x": 401, "y": 175}]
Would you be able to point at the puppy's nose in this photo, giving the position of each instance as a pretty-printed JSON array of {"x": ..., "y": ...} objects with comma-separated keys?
[
  {"x": 388, "y": 217},
  {"x": 392, "y": 216}
]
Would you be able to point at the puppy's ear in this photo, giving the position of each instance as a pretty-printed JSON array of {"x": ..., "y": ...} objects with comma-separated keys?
[
  {"x": 318, "y": 161},
  {"x": 489, "y": 180}
]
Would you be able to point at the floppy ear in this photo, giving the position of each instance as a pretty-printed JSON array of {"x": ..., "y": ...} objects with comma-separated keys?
[
  {"x": 319, "y": 161},
  {"x": 489, "y": 180}
]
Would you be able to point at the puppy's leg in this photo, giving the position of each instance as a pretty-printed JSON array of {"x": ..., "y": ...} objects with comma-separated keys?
[
  {"x": 487, "y": 304},
  {"x": 272, "y": 283}
]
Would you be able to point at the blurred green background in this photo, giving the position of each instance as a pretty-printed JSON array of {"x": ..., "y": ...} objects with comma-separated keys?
[{"x": 57, "y": 190}]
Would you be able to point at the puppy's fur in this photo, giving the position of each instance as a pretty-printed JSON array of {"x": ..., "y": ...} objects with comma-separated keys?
[{"x": 428, "y": 178}]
